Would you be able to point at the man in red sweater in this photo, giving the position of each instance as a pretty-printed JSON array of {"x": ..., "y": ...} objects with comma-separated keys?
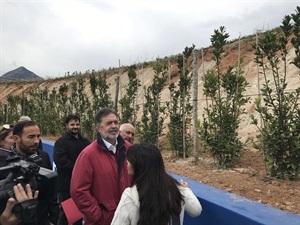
[{"x": 100, "y": 173}]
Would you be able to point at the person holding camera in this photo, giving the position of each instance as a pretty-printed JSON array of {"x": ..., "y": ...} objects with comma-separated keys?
[
  {"x": 27, "y": 138},
  {"x": 8, "y": 217}
]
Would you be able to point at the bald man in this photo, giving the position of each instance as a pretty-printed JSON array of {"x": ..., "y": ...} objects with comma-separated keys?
[{"x": 127, "y": 132}]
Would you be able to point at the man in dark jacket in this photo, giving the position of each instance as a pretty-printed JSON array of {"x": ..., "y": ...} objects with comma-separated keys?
[
  {"x": 66, "y": 151},
  {"x": 27, "y": 137}
]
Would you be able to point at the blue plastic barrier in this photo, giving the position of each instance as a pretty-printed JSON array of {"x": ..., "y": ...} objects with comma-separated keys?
[
  {"x": 48, "y": 147},
  {"x": 223, "y": 208}
]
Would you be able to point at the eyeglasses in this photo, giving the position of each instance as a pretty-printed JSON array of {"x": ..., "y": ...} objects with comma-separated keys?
[
  {"x": 5, "y": 129},
  {"x": 7, "y": 126}
]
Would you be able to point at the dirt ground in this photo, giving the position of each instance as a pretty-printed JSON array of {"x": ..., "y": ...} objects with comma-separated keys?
[{"x": 249, "y": 179}]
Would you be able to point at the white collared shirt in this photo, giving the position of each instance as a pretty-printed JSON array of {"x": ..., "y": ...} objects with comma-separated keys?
[{"x": 111, "y": 147}]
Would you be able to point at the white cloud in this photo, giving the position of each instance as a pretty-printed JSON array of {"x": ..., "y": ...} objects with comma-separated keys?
[{"x": 51, "y": 38}]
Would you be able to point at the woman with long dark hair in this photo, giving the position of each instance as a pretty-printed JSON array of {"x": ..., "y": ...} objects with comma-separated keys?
[{"x": 154, "y": 197}]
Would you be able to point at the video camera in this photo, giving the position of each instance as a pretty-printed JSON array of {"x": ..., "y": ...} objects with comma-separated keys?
[{"x": 14, "y": 170}]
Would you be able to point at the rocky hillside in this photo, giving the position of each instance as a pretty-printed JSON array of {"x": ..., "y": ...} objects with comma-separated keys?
[
  {"x": 145, "y": 74},
  {"x": 19, "y": 74}
]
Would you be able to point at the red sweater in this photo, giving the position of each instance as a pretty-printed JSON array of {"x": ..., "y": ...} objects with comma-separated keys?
[{"x": 95, "y": 186}]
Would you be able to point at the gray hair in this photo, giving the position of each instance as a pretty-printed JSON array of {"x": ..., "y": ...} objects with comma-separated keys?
[{"x": 24, "y": 118}]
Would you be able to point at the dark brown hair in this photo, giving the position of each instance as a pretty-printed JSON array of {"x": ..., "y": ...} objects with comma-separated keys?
[
  {"x": 159, "y": 195},
  {"x": 19, "y": 127}
]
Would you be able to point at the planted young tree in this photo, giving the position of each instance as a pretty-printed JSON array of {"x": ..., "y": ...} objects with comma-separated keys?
[
  {"x": 83, "y": 100},
  {"x": 32, "y": 104},
  {"x": 74, "y": 103},
  {"x": 43, "y": 111},
  {"x": 221, "y": 117},
  {"x": 180, "y": 108},
  {"x": 278, "y": 108},
  {"x": 82, "y": 108},
  {"x": 3, "y": 112},
  {"x": 101, "y": 98},
  {"x": 53, "y": 122},
  {"x": 40, "y": 109},
  {"x": 13, "y": 108},
  {"x": 99, "y": 87},
  {"x": 78, "y": 99},
  {"x": 63, "y": 100},
  {"x": 152, "y": 121},
  {"x": 24, "y": 105},
  {"x": 128, "y": 102}
]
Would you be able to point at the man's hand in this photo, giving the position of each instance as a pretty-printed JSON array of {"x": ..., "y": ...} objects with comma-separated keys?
[{"x": 7, "y": 217}]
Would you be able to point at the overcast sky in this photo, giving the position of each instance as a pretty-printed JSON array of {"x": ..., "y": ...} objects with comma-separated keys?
[{"x": 53, "y": 37}]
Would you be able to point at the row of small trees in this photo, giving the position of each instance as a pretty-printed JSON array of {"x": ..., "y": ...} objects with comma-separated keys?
[
  {"x": 279, "y": 137},
  {"x": 49, "y": 107}
]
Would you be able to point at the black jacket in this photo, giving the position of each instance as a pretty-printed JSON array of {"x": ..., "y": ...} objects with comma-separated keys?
[
  {"x": 48, "y": 206},
  {"x": 66, "y": 150}
]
